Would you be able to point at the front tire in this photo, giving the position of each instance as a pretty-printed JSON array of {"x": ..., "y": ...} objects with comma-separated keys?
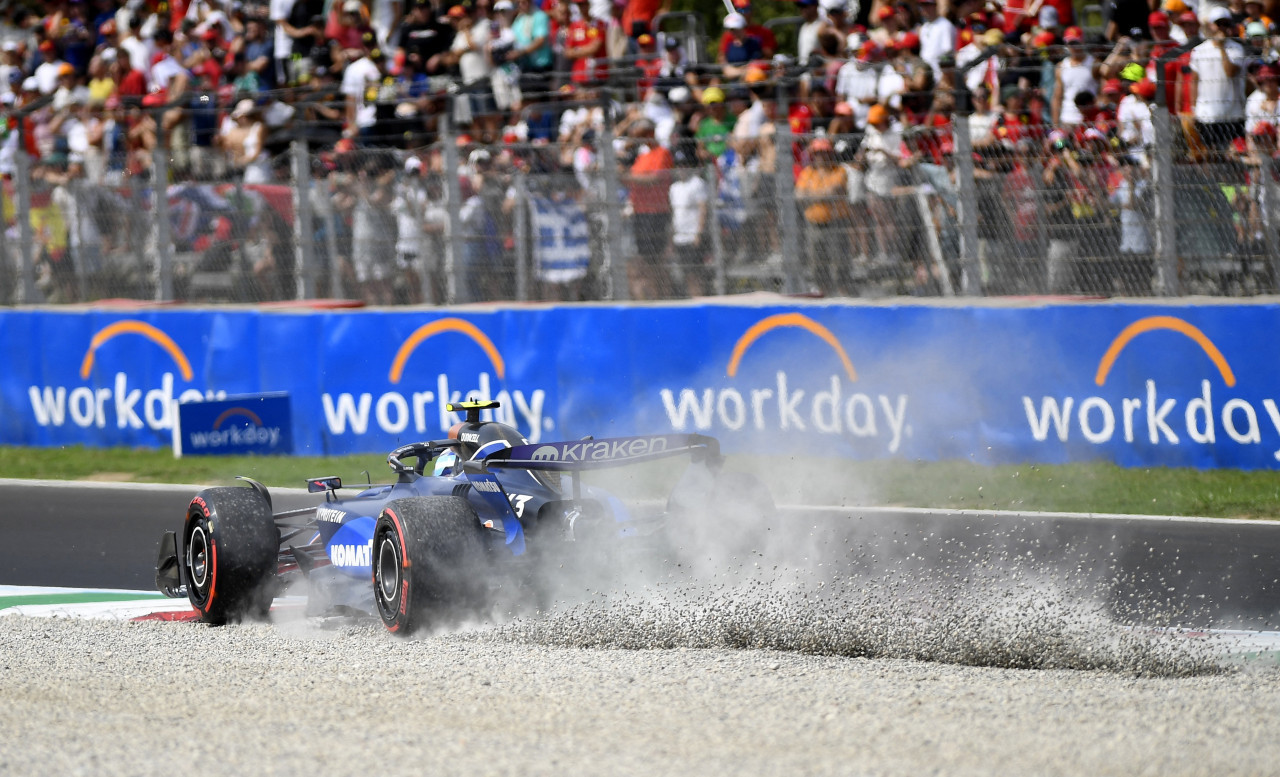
[
  {"x": 231, "y": 546},
  {"x": 428, "y": 562}
]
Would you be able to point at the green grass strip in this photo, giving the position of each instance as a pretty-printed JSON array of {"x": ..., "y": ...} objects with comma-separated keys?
[{"x": 73, "y": 598}]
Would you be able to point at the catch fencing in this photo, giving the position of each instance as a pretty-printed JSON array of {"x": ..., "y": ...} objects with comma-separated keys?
[{"x": 961, "y": 207}]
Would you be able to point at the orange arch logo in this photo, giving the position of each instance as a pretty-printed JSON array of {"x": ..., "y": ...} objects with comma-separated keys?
[
  {"x": 237, "y": 411},
  {"x": 779, "y": 321},
  {"x": 148, "y": 331},
  {"x": 1155, "y": 323},
  {"x": 427, "y": 331}
]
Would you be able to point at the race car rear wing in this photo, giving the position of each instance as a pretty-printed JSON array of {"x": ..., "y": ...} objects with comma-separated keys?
[{"x": 591, "y": 453}]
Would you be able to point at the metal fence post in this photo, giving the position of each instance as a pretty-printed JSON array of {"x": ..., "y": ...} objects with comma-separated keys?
[
  {"x": 713, "y": 226},
  {"x": 616, "y": 277},
  {"x": 970, "y": 274},
  {"x": 1270, "y": 230},
  {"x": 523, "y": 252},
  {"x": 788, "y": 223},
  {"x": 1166, "y": 228},
  {"x": 303, "y": 226},
  {"x": 160, "y": 223},
  {"x": 1042, "y": 228},
  {"x": 26, "y": 239},
  {"x": 455, "y": 268}
]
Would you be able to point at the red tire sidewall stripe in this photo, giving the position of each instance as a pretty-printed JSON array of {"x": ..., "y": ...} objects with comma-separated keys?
[{"x": 404, "y": 565}]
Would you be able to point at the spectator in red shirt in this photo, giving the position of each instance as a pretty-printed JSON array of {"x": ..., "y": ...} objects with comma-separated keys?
[
  {"x": 648, "y": 182},
  {"x": 129, "y": 82},
  {"x": 584, "y": 47},
  {"x": 768, "y": 43}
]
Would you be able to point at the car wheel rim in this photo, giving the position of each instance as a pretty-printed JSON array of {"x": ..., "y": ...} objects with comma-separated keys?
[
  {"x": 388, "y": 569},
  {"x": 198, "y": 557}
]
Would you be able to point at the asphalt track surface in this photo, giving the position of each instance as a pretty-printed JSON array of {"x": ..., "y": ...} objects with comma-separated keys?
[{"x": 1213, "y": 573}]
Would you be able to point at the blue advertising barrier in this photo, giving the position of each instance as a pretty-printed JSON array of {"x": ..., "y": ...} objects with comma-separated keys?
[
  {"x": 1137, "y": 384},
  {"x": 260, "y": 424}
]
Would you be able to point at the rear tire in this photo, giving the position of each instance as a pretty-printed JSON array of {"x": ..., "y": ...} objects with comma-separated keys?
[
  {"x": 232, "y": 547},
  {"x": 428, "y": 562}
]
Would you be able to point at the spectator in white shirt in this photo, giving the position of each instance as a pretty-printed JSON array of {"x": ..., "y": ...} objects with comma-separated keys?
[
  {"x": 937, "y": 36},
  {"x": 1217, "y": 67},
  {"x": 858, "y": 83}
]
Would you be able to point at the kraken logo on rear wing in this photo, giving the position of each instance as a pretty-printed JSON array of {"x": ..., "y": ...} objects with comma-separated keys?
[{"x": 608, "y": 452}]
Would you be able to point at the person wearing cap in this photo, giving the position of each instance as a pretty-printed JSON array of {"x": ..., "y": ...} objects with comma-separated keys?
[
  {"x": 1078, "y": 73},
  {"x": 1133, "y": 116},
  {"x": 937, "y": 36},
  {"x": 243, "y": 138},
  {"x": 49, "y": 69},
  {"x": 882, "y": 155},
  {"x": 737, "y": 49},
  {"x": 1264, "y": 104},
  {"x": 822, "y": 192},
  {"x": 858, "y": 82},
  {"x": 715, "y": 125},
  {"x": 1218, "y": 82}
]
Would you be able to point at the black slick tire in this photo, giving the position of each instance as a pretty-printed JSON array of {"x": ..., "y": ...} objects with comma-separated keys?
[
  {"x": 428, "y": 562},
  {"x": 232, "y": 547}
]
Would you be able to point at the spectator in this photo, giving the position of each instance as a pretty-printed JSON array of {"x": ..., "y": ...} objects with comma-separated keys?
[
  {"x": 807, "y": 35},
  {"x": 585, "y": 47},
  {"x": 638, "y": 17},
  {"x": 532, "y": 52},
  {"x": 858, "y": 83},
  {"x": 1263, "y": 106},
  {"x": 715, "y": 126},
  {"x": 1078, "y": 73},
  {"x": 937, "y": 36},
  {"x": 883, "y": 156},
  {"x": 1134, "y": 118},
  {"x": 424, "y": 37},
  {"x": 821, "y": 192},
  {"x": 373, "y": 231},
  {"x": 1131, "y": 272},
  {"x": 648, "y": 181},
  {"x": 363, "y": 73},
  {"x": 243, "y": 137},
  {"x": 738, "y": 50},
  {"x": 410, "y": 206},
  {"x": 688, "y": 200},
  {"x": 1217, "y": 67},
  {"x": 768, "y": 43},
  {"x": 50, "y": 68},
  {"x": 468, "y": 54}
]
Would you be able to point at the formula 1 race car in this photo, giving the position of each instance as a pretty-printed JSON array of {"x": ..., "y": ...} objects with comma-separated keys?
[{"x": 432, "y": 546}]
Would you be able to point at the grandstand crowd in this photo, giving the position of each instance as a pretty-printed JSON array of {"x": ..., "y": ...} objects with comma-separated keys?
[{"x": 871, "y": 92}]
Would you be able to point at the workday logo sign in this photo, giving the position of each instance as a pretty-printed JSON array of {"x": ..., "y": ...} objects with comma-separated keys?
[
  {"x": 258, "y": 424},
  {"x": 790, "y": 394},
  {"x": 1142, "y": 412},
  {"x": 129, "y": 397},
  {"x": 414, "y": 399}
]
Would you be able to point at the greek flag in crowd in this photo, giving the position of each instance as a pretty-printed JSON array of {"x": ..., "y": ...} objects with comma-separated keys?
[
  {"x": 731, "y": 206},
  {"x": 561, "y": 245}
]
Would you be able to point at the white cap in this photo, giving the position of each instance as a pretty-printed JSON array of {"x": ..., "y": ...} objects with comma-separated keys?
[
  {"x": 351, "y": 6},
  {"x": 1217, "y": 14},
  {"x": 11, "y": 45},
  {"x": 31, "y": 84},
  {"x": 412, "y": 163},
  {"x": 479, "y": 155},
  {"x": 243, "y": 108},
  {"x": 679, "y": 94},
  {"x": 108, "y": 55},
  {"x": 504, "y": 5},
  {"x": 735, "y": 21}
]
